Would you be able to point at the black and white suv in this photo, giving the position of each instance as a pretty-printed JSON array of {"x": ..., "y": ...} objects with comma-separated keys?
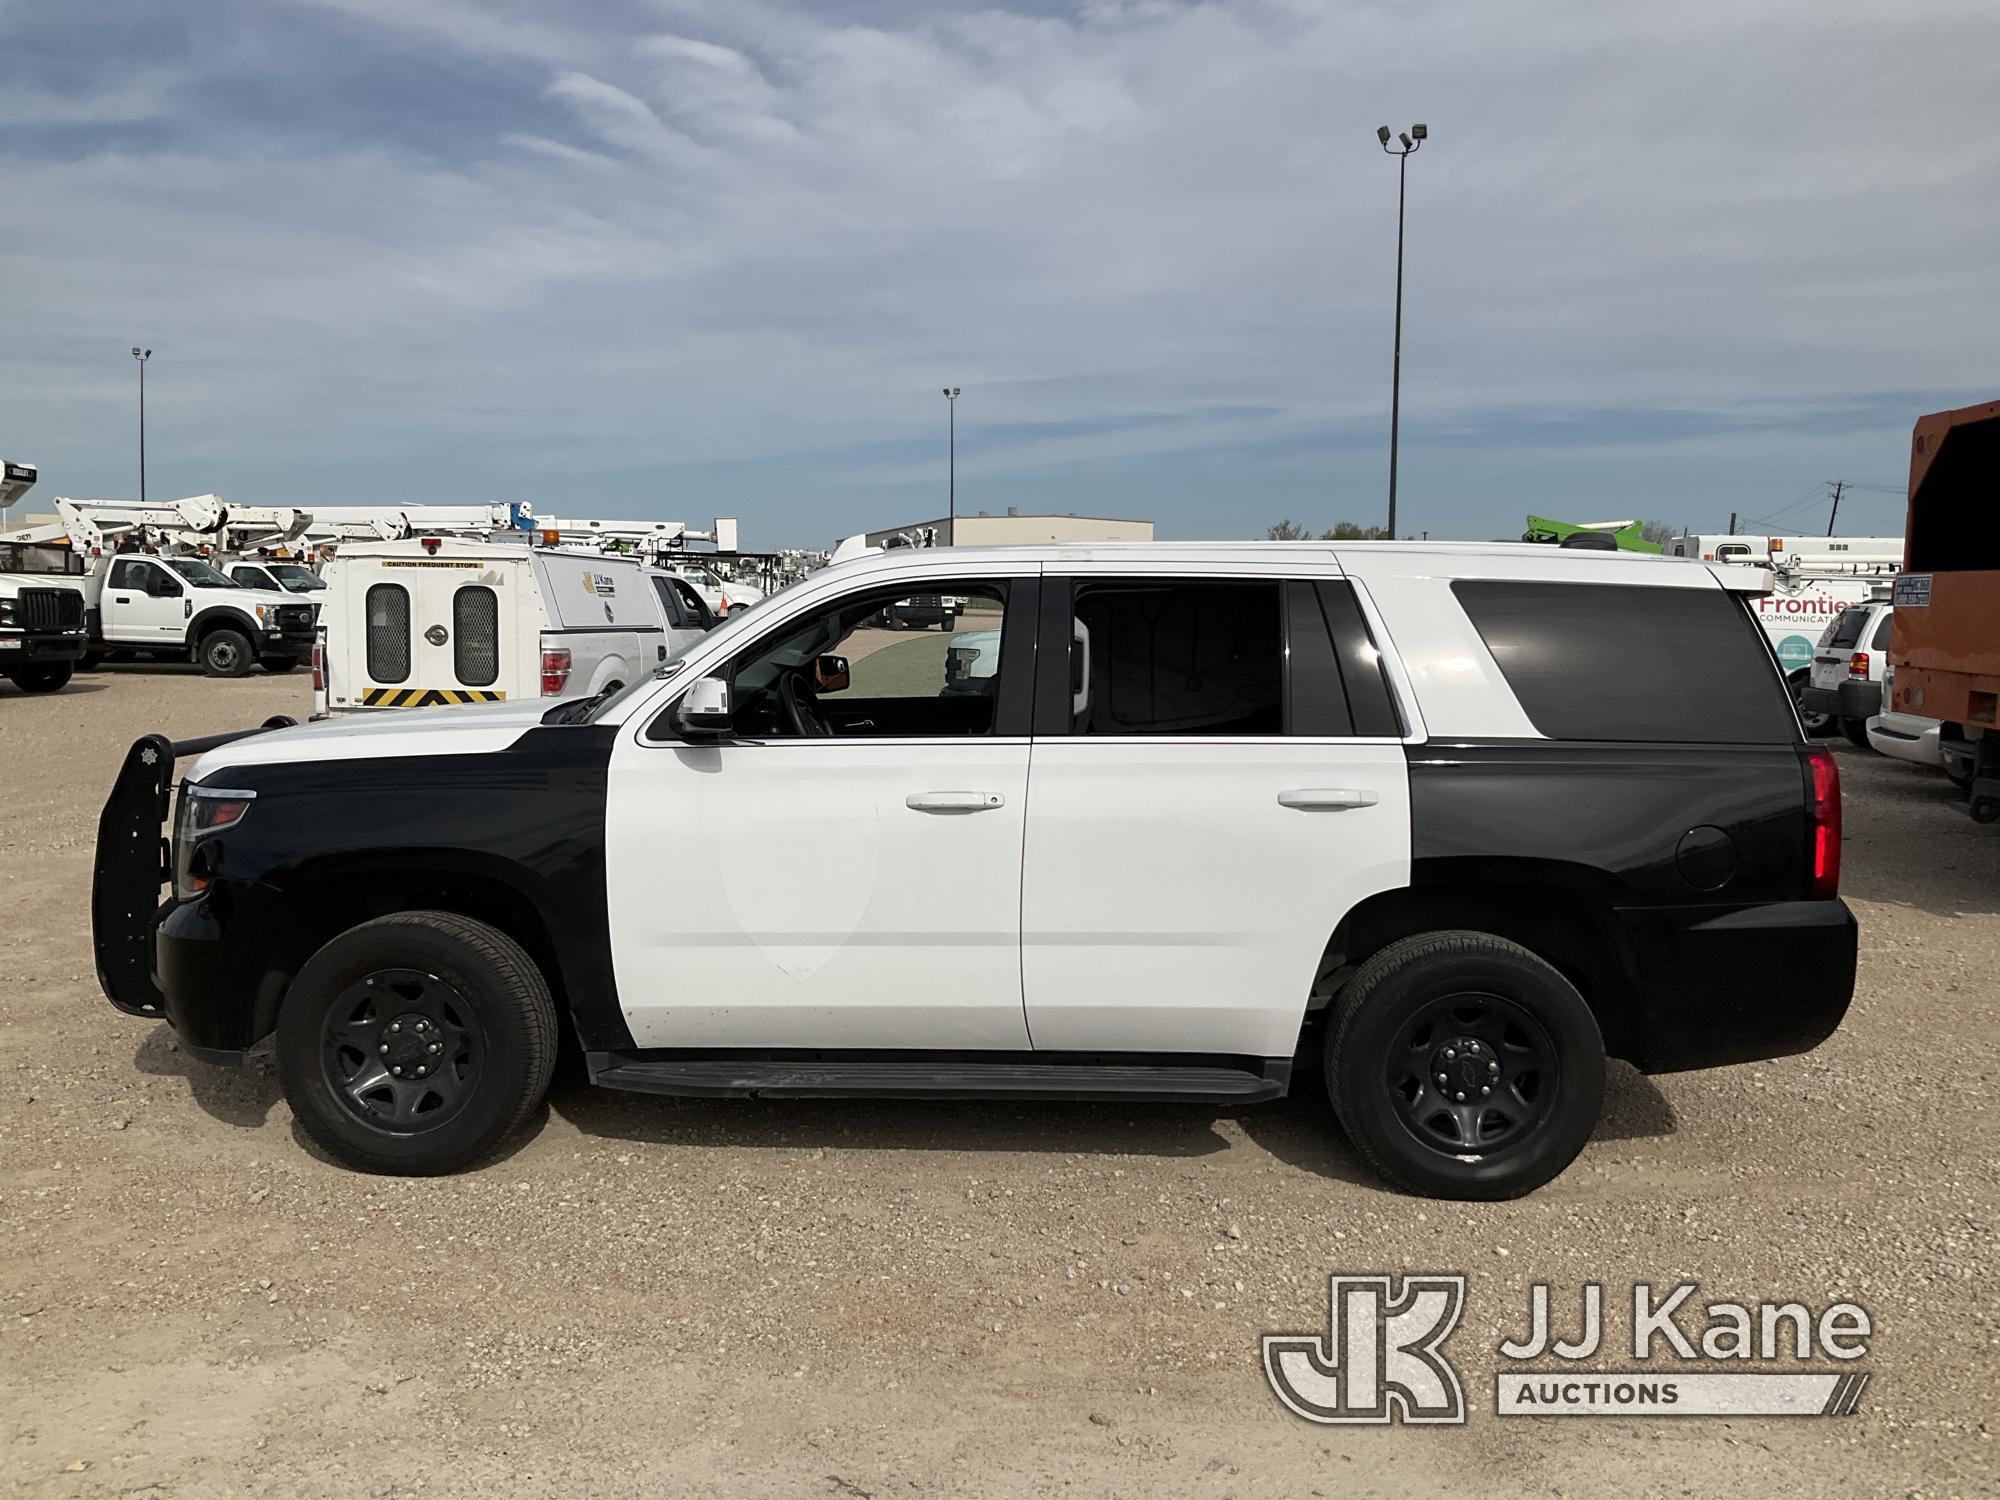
[{"x": 1223, "y": 812}]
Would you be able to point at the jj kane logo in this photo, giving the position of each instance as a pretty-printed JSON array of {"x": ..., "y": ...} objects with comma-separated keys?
[{"x": 1382, "y": 1358}]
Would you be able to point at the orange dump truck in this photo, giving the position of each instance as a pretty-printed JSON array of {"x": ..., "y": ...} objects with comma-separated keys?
[{"x": 1946, "y": 650}]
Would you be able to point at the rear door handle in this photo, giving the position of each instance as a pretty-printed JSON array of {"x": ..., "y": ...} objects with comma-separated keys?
[
  {"x": 954, "y": 802},
  {"x": 1315, "y": 798}
]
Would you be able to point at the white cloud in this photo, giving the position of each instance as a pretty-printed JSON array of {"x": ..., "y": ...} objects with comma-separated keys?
[{"x": 727, "y": 252}]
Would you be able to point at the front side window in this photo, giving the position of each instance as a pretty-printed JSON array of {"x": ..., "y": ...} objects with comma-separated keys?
[
  {"x": 249, "y": 577},
  {"x": 296, "y": 578},
  {"x": 845, "y": 673},
  {"x": 199, "y": 573},
  {"x": 387, "y": 607}
]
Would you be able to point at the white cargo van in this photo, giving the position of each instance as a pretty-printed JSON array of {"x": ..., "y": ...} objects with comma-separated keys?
[{"x": 439, "y": 620}]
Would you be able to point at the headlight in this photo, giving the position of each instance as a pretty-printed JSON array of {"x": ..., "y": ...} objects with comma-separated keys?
[
  {"x": 204, "y": 810},
  {"x": 6, "y": 611}
]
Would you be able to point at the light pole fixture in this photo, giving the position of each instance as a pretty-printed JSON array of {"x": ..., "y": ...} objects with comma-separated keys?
[
  {"x": 1411, "y": 139},
  {"x": 951, "y": 469},
  {"x": 142, "y": 355}
]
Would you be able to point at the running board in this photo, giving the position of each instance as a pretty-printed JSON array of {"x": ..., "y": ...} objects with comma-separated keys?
[{"x": 835, "y": 1078}]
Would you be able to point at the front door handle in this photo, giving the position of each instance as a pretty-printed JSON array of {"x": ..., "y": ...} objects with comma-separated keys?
[
  {"x": 1316, "y": 798},
  {"x": 954, "y": 802}
]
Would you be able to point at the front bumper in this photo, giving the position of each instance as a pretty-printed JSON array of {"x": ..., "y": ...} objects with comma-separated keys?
[
  {"x": 32, "y": 646},
  {"x": 1720, "y": 985},
  {"x": 163, "y": 959},
  {"x": 1850, "y": 700}
]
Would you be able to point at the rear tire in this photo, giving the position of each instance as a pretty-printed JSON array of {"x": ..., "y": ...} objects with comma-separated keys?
[
  {"x": 224, "y": 653},
  {"x": 1856, "y": 731},
  {"x": 1486, "y": 1014},
  {"x": 1815, "y": 724},
  {"x": 41, "y": 676},
  {"x": 395, "y": 983}
]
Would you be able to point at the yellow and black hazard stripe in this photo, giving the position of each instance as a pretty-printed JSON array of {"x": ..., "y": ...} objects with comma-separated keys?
[{"x": 427, "y": 697}]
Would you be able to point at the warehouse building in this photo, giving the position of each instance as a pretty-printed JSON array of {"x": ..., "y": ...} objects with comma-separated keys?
[{"x": 981, "y": 529}]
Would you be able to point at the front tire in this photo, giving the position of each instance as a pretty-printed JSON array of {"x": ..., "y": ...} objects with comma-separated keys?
[
  {"x": 414, "y": 1044},
  {"x": 224, "y": 653},
  {"x": 1518, "y": 1049},
  {"x": 277, "y": 663},
  {"x": 41, "y": 676}
]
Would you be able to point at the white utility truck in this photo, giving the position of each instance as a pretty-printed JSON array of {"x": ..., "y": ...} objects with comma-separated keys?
[
  {"x": 41, "y": 601},
  {"x": 442, "y": 620}
]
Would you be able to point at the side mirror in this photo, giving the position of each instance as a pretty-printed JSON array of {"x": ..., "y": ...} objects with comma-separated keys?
[
  {"x": 704, "y": 711},
  {"x": 833, "y": 674}
]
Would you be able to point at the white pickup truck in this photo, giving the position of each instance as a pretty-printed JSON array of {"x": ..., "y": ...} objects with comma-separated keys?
[{"x": 184, "y": 608}]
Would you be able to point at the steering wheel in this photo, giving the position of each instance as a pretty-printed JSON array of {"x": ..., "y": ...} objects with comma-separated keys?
[{"x": 798, "y": 709}]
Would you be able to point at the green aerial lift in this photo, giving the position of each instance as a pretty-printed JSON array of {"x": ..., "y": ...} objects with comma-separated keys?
[{"x": 1623, "y": 535}]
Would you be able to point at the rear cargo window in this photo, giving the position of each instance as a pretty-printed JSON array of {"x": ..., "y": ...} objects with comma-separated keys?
[
  {"x": 475, "y": 625},
  {"x": 1847, "y": 629},
  {"x": 388, "y": 610},
  {"x": 1632, "y": 663}
]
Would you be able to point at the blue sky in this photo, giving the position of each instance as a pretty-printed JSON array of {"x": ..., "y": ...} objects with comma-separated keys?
[{"x": 682, "y": 258}]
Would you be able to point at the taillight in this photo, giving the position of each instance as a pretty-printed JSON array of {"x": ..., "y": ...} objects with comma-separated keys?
[
  {"x": 319, "y": 663},
  {"x": 555, "y": 670},
  {"x": 1857, "y": 665},
  {"x": 1824, "y": 822}
]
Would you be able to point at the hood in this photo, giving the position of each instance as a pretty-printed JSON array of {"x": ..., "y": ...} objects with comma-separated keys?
[{"x": 473, "y": 729}]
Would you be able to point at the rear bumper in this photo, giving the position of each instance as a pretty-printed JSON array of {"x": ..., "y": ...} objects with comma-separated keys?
[
  {"x": 1850, "y": 700},
  {"x": 17, "y": 646},
  {"x": 1720, "y": 985}
]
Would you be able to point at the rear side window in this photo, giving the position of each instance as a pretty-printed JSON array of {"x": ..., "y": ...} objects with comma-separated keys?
[
  {"x": 1198, "y": 657},
  {"x": 387, "y": 606},
  {"x": 1883, "y": 631},
  {"x": 1627, "y": 662},
  {"x": 1847, "y": 629},
  {"x": 475, "y": 626}
]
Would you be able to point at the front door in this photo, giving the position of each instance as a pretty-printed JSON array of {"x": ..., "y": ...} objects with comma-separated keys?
[
  {"x": 842, "y": 871},
  {"x": 1219, "y": 776},
  {"x": 142, "y": 604}
]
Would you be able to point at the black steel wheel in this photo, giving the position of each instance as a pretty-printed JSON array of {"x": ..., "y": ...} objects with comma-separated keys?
[
  {"x": 415, "y": 1043},
  {"x": 1463, "y": 1066},
  {"x": 224, "y": 653},
  {"x": 401, "y": 1048}
]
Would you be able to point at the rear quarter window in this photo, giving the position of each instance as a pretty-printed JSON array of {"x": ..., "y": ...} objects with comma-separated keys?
[{"x": 1632, "y": 662}]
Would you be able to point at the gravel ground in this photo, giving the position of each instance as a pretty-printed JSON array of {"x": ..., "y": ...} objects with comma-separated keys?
[{"x": 650, "y": 1296}]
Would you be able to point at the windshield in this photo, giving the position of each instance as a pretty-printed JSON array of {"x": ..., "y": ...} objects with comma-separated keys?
[
  {"x": 199, "y": 573},
  {"x": 731, "y": 626},
  {"x": 19, "y": 557},
  {"x": 297, "y": 579}
]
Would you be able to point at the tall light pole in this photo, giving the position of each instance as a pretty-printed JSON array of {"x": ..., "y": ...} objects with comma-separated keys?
[
  {"x": 1413, "y": 138},
  {"x": 142, "y": 355},
  {"x": 951, "y": 471}
]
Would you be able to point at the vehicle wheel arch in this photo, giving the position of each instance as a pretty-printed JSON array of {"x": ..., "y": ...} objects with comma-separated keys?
[
  {"x": 327, "y": 897},
  {"x": 1557, "y": 914},
  {"x": 222, "y": 617}
]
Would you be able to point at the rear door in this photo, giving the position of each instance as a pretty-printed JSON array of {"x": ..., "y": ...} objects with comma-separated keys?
[
  {"x": 1218, "y": 776},
  {"x": 434, "y": 631}
]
